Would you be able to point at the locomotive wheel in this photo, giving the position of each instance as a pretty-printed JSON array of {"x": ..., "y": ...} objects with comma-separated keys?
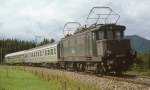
[
  {"x": 98, "y": 69},
  {"x": 118, "y": 73},
  {"x": 83, "y": 67},
  {"x": 74, "y": 66},
  {"x": 103, "y": 68},
  {"x": 86, "y": 68},
  {"x": 66, "y": 66}
]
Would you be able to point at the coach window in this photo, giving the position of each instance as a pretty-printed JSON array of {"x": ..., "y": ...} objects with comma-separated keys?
[
  {"x": 45, "y": 52},
  {"x": 52, "y": 52},
  {"x": 32, "y": 54},
  {"x": 40, "y": 53},
  {"x": 48, "y": 52}
]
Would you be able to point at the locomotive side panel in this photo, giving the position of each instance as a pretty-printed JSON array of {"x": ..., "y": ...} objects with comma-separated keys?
[
  {"x": 77, "y": 47},
  {"x": 89, "y": 45},
  {"x": 80, "y": 45},
  {"x": 101, "y": 47},
  {"x": 72, "y": 47}
]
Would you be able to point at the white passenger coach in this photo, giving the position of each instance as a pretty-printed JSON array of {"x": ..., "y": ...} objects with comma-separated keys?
[{"x": 42, "y": 54}]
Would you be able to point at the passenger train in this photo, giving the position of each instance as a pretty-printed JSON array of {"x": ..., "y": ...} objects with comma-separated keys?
[{"x": 100, "y": 48}]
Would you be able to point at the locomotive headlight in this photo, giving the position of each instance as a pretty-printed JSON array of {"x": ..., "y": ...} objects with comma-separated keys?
[
  {"x": 111, "y": 62},
  {"x": 123, "y": 61},
  {"x": 109, "y": 52}
]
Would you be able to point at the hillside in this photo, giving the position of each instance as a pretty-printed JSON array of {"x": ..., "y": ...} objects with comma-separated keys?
[{"x": 138, "y": 43}]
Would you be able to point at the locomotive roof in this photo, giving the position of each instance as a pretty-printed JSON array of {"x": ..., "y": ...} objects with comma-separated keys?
[{"x": 98, "y": 27}]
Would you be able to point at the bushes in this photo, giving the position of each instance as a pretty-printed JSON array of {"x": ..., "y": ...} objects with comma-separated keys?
[
  {"x": 142, "y": 65},
  {"x": 143, "y": 61}
]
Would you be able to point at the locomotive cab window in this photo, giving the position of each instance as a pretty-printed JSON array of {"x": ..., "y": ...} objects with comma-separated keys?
[
  {"x": 118, "y": 34},
  {"x": 110, "y": 34},
  {"x": 99, "y": 35}
]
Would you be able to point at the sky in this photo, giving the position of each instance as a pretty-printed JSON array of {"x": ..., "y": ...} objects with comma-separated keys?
[{"x": 30, "y": 19}]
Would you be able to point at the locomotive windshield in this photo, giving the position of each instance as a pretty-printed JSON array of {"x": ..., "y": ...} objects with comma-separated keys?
[
  {"x": 109, "y": 34},
  {"x": 118, "y": 34}
]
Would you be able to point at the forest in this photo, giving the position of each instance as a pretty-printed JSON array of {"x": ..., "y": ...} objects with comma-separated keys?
[{"x": 13, "y": 45}]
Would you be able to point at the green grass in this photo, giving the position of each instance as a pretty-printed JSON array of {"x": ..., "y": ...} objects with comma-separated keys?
[
  {"x": 18, "y": 79},
  {"x": 63, "y": 83},
  {"x": 142, "y": 65},
  {"x": 139, "y": 71}
]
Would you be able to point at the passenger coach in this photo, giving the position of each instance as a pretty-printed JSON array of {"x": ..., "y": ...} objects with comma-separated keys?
[{"x": 40, "y": 55}]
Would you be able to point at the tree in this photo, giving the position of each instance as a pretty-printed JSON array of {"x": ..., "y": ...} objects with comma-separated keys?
[
  {"x": 13, "y": 45},
  {"x": 46, "y": 41}
]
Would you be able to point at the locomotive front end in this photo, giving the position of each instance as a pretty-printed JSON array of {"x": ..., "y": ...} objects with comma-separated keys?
[
  {"x": 118, "y": 56},
  {"x": 115, "y": 51}
]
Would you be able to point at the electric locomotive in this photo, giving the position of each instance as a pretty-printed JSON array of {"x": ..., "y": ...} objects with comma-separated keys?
[
  {"x": 100, "y": 47},
  {"x": 97, "y": 47}
]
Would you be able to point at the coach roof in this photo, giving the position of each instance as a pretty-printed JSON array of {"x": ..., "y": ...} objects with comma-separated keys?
[{"x": 15, "y": 53}]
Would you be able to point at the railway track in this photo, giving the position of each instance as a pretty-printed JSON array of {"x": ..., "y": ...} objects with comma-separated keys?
[
  {"x": 141, "y": 80},
  {"x": 135, "y": 79}
]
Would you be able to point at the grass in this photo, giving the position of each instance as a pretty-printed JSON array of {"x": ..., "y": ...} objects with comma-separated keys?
[
  {"x": 20, "y": 79},
  {"x": 63, "y": 83},
  {"x": 139, "y": 71},
  {"x": 142, "y": 65}
]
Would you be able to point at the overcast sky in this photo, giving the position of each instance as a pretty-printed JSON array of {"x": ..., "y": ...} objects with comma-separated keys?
[{"x": 25, "y": 19}]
